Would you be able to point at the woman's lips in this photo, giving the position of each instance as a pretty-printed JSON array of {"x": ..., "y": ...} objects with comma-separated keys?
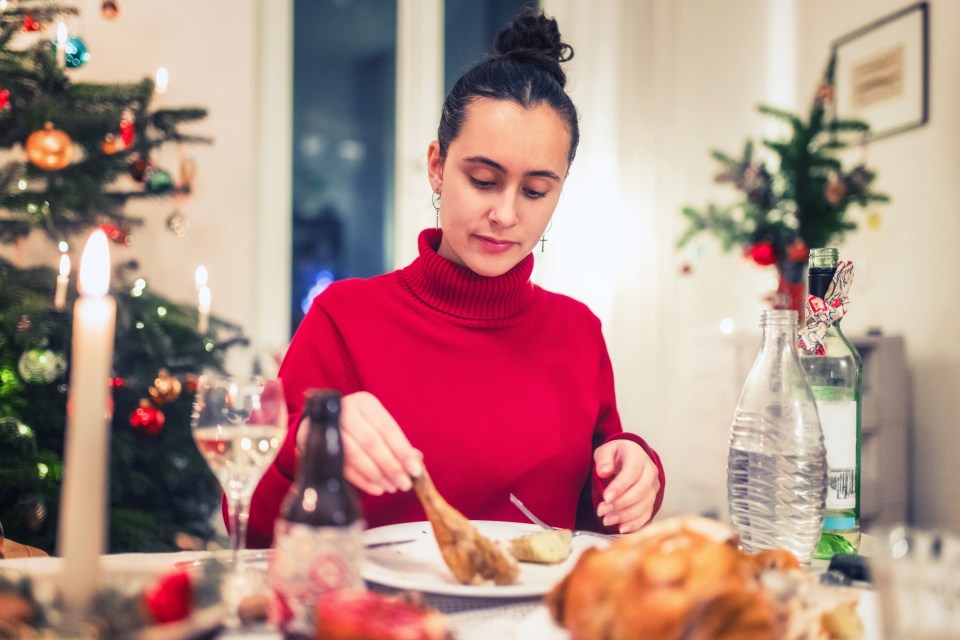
[{"x": 493, "y": 245}]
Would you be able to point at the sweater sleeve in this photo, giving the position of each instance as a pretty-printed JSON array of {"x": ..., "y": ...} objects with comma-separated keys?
[
  {"x": 608, "y": 428},
  {"x": 317, "y": 358}
]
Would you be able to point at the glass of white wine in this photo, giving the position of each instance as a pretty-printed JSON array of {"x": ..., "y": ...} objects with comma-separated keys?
[{"x": 239, "y": 425}]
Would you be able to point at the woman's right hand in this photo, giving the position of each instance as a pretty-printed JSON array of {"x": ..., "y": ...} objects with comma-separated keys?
[{"x": 378, "y": 457}]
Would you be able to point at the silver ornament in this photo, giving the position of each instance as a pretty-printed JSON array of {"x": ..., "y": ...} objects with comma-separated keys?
[{"x": 177, "y": 224}]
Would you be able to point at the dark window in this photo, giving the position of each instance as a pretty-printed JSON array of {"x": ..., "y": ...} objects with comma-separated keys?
[{"x": 343, "y": 141}]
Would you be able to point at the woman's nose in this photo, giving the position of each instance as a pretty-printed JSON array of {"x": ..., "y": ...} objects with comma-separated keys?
[{"x": 504, "y": 212}]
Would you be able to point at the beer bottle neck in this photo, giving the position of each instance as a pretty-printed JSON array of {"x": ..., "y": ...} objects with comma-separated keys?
[{"x": 323, "y": 454}]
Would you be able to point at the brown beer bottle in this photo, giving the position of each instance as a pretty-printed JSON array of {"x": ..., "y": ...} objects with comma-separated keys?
[{"x": 317, "y": 541}]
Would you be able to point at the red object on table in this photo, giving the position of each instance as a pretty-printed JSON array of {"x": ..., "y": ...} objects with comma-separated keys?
[{"x": 170, "y": 598}]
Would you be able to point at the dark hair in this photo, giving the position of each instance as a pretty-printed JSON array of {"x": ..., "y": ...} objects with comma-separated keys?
[{"x": 524, "y": 67}]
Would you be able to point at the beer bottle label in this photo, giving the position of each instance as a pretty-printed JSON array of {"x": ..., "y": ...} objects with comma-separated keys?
[{"x": 306, "y": 562}]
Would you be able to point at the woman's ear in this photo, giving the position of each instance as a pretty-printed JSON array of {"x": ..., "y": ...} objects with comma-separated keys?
[{"x": 435, "y": 166}]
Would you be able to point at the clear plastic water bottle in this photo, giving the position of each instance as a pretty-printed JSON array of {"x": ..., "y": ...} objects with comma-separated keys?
[{"x": 777, "y": 465}]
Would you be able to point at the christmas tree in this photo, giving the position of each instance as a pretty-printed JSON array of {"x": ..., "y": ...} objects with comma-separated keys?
[{"x": 72, "y": 155}]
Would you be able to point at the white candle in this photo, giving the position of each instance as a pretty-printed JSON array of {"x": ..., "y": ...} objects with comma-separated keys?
[
  {"x": 62, "y": 45},
  {"x": 83, "y": 502},
  {"x": 203, "y": 309},
  {"x": 60, "y": 297}
]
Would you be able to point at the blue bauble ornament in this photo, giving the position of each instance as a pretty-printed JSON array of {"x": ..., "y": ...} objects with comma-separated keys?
[{"x": 76, "y": 52}]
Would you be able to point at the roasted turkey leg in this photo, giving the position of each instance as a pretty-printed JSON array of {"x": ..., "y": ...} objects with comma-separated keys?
[{"x": 472, "y": 558}]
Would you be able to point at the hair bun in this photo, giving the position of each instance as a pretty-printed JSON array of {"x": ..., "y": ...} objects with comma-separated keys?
[{"x": 535, "y": 38}]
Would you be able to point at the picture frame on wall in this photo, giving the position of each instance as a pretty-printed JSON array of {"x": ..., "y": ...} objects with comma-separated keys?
[{"x": 882, "y": 70}]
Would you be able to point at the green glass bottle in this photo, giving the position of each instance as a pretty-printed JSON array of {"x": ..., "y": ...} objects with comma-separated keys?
[{"x": 835, "y": 377}]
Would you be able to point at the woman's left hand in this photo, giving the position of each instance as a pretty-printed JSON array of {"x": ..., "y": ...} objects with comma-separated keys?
[{"x": 628, "y": 499}]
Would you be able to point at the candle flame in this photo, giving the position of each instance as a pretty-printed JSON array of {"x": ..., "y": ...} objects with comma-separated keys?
[
  {"x": 64, "y": 265},
  {"x": 201, "y": 276},
  {"x": 61, "y": 34},
  {"x": 204, "y": 301},
  {"x": 95, "y": 266}
]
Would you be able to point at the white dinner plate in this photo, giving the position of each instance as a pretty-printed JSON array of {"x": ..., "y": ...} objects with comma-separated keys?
[{"x": 419, "y": 566}]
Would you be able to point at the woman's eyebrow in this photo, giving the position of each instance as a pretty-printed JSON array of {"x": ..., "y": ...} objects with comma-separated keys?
[{"x": 543, "y": 173}]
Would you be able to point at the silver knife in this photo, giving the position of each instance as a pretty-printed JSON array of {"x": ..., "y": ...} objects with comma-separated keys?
[{"x": 387, "y": 543}]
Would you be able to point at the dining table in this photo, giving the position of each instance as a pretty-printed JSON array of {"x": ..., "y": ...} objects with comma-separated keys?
[{"x": 505, "y": 615}]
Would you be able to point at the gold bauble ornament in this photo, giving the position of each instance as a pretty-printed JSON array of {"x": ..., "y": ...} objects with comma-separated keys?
[
  {"x": 165, "y": 388},
  {"x": 49, "y": 148}
]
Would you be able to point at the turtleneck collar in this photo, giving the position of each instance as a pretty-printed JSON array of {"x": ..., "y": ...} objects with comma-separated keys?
[{"x": 458, "y": 291}]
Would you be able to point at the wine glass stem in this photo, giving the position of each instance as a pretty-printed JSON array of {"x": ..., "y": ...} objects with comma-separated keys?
[{"x": 239, "y": 516}]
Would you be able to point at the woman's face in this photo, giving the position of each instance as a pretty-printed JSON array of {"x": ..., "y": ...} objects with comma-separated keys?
[{"x": 499, "y": 183}]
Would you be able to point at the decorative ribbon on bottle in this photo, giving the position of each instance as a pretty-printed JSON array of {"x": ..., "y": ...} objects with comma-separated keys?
[{"x": 824, "y": 312}]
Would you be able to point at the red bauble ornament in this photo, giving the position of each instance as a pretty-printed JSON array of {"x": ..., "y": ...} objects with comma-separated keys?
[
  {"x": 170, "y": 598},
  {"x": 126, "y": 127},
  {"x": 30, "y": 25},
  {"x": 147, "y": 419},
  {"x": 763, "y": 254},
  {"x": 4, "y": 96},
  {"x": 115, "y": 233}
]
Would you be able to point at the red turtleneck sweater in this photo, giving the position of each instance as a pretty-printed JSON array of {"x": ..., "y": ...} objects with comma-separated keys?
[{"x": 504, "y": 387}]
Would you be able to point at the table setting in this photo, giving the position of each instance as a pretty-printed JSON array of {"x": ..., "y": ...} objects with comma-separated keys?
[{"x": 412, "y": 565}]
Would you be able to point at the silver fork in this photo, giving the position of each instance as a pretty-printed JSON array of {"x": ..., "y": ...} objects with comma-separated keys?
[{"x": 534, "y": 519}]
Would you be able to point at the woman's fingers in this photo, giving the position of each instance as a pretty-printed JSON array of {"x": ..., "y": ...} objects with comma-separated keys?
[
  {"x": 409, "y": 459},
  {"x": 378, "y": 454},
  {"x": 628, "y": 499},
  {"x": 637, "y": 515}
]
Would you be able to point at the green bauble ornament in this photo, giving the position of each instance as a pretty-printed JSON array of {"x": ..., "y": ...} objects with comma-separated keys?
[
  {"x": 40, "y": 366},
  {"x": 15, "y": 436},
  {"x": 9, "y": 381},
  {"x": 158, "y": 181}
]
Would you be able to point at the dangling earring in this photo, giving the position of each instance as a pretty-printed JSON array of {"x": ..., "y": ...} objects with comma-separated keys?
[
  {"x": 436, "y": 206},
  {"x": 543, "y": 238}
]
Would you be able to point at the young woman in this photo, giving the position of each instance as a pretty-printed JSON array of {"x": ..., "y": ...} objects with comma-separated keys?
[{"x": 458, "y": 362}]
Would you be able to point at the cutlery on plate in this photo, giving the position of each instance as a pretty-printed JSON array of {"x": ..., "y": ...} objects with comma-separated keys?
[
  {"x": 387, "y": 543},
  {"x": 534, "y": 519}
]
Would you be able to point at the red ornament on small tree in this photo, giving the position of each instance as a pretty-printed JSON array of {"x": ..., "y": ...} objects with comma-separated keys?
[{"x": 763, "y": 254}]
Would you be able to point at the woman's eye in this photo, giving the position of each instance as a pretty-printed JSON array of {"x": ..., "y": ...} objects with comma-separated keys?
[
  {"x": 481, "y": 184},
  {"x": 533, "y": 195}
]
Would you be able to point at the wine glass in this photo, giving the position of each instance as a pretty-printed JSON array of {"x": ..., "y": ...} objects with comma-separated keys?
[{"x": 238, "y": 426}]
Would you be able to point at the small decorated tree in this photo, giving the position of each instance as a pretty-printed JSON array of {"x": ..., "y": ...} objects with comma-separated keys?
[{"x": 797, "y": 200}]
